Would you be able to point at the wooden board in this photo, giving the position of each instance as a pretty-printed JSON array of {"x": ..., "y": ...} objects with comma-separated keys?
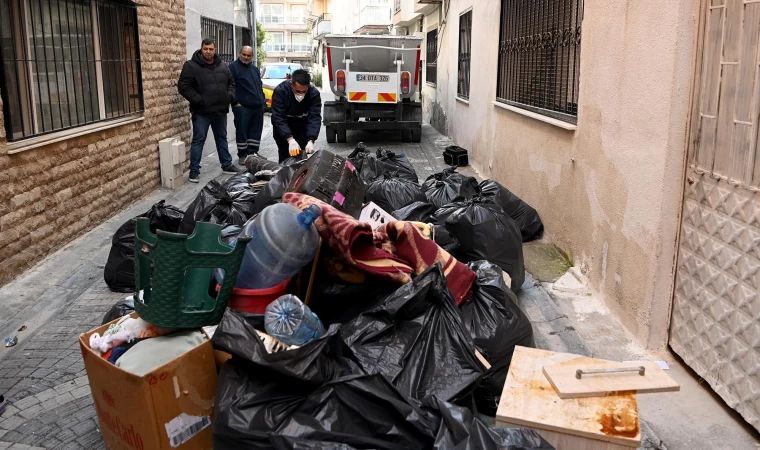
[
  {"x": 563, "y": 379},
  {"x": 529, "y": 400}
]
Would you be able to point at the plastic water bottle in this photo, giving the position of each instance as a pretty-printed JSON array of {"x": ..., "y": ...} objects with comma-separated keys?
[
  {"x": 292, "y": 322},
  {"x": 283, "y": 239}
]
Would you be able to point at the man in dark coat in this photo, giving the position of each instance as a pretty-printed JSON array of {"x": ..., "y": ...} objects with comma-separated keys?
[
  {"x": 296, "y": 115},
  {"x": 207, "y": 84},
  {"x": 249, "y": 110}
]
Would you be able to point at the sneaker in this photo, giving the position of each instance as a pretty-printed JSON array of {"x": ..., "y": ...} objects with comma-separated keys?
[
  {"x": 193, "y": 176},
  {"x": 233, "y": 169},
  {"x": 241, "y": 160},
  {"x": 2, "y": 404}
]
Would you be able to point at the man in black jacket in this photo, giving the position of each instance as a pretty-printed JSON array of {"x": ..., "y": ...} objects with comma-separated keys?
[
  {"x": 249, "y": 110},
  {"x": 207, "y": 84},
  {"x": 296, "y": 115}
]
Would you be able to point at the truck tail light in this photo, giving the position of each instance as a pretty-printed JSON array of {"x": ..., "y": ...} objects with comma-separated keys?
[
  {"x": 340, "y": 83},
  {"x": 405, "y": 82}
]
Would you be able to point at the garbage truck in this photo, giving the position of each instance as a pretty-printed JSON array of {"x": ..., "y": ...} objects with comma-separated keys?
[{"x": 374, "y": 79}]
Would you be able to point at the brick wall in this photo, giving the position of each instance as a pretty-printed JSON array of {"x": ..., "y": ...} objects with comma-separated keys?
[{"x": 53, "y": 194}]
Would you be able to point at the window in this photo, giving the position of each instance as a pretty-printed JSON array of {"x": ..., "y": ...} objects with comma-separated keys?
[
  {"x": 221, "y": 33},
  {"x": 242, "y": 37},
  {"x": 431, "y": 69},
  {"x": 271, "y": 13},
  {"x": 67, "y": 63},
  {"x": 299, "y": 42},
  {"x": 298, "y": 12},
  {"x": 539, "y": 56},
  {"x": 465, "y": 44},
  {"x": 275, "y": 42}
]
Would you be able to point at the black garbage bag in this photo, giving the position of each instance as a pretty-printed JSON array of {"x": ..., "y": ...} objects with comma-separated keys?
[
  {"x": 497, "y": 324},
  {"x": 373, "y": 166},
  {"x": 391, "y": 193},
  {"x": 216, "y": 204},
  {"x": 273, "y": 191},
  {"x": 444, "y": 239},
  {"x": 337, "y": 301},
  {"x": 523, "y": 214},
  {"x": 119, "y": 271},
  {"x": 398, "y": 163},
  {"x": 416, "y": 212},
  {"x": 449, "y": 186},
  {"x": 120, "y": 309},
  {"x": 239, "y": 182},
  {"x": 485, "y": 232},
  {"x": 416, "y": 338}
]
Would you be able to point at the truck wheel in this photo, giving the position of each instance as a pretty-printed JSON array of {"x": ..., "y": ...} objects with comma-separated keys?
[
  {"x": 416, "y": 135},
  {"x": 341, "y": 135},
  {"x": 330, "y": 131},
  {"x": 406, "y": 135}
]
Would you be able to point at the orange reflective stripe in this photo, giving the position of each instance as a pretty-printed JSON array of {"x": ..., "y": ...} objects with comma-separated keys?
[
  {"x": 386, "y": 97},
  {"x": 357, "y": 96}
]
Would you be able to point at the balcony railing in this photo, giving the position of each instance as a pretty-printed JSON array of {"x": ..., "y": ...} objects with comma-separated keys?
[
  {"x": 322, "y": 26},
  {"x": 397, "y": 6},
  {"x": 282, "y": 19},
  {"x": 375, "y": 15},
  {"x": 286, "y": 48}
]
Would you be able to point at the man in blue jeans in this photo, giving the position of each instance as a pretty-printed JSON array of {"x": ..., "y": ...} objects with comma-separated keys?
[
  {"x": 249, "y": 110},
  {"x": 206, "y": 82}
]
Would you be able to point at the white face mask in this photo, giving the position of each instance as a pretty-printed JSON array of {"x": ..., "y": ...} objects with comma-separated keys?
[{"x": 299, "y": 98}]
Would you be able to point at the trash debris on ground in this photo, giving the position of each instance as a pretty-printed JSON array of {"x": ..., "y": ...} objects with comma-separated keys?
[
  {"x": 523, "y": 214},
  {"x": 225, "y": 204},
  {"x": 392, "y": 193},
  {"x": 449, "y": 186},
  {"x": 287, "y": 319},
  {"x": 22, "y": 328},
  {"x": 331, "y": 179},
  {"x": 119, "y": 272},
  {"x": 11, "y": 341},
  {"x": 485, "y": 232},
  {"x": 373, "y": 166},
  {"x": 272, "y": 192},
  {"x": 120, "y": 309},
  {"x": 375, "y": 215},
  {"x": 455, "y": 156}
]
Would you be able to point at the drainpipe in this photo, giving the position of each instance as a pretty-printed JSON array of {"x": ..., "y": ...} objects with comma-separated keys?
[{"x": 252, "y": 27}]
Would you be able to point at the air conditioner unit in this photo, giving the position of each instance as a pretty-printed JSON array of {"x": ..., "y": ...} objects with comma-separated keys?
[{"x": 283, "y": 59}]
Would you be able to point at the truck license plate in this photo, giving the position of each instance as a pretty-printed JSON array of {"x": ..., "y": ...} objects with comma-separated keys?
[{"x": 370, "y": 78}]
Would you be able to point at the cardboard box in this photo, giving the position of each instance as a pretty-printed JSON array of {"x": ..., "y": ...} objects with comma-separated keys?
[
  {"x": 375, "y": 215},
  {"x": 170, "y": 408}
]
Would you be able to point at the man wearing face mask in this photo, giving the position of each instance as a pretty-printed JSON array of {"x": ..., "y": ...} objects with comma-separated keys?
[
  {"x": 296, "y": 115},
  {"x": 249, "y": 110}
]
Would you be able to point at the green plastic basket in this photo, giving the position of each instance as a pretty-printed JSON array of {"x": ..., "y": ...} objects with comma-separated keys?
[{"x": 173, "y": 274}]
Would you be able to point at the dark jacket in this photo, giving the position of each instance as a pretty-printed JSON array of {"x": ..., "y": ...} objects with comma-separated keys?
[
  {"x": 287, "y": 113},
  {"x": 247, "y": 84},
  {"x": 209, "y": 88}
]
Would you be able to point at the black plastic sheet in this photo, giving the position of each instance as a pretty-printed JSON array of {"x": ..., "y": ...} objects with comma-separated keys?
[
  {"x": 119, "y": 271},
  {"x": 391, "y": 193},
  {"x": 497, "y": 324},
  {"x": 373, "y": 166},
  {"x": 216, "y": 203},
  {"x": 415, "y": 212},
  {"x": 485, "y": 232},
  {"x": 449, "y": 186},
  {"x": 120, "y": 309},
  {"x": 523, "y": 214},
  {"x": 273, "y": 191}
]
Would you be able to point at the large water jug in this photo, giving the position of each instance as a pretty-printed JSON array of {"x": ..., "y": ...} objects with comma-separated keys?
[
  {"x": 283, "y": 239},
  {"x": 292, "y": 322}
]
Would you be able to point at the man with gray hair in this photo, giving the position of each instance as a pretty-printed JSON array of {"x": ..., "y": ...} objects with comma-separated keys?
[{"x": 249, "y": 109}]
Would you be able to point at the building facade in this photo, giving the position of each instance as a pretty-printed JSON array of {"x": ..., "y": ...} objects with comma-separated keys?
[
  {"x": 88, "y": 89},
  {"x": 288, "y": 34}
]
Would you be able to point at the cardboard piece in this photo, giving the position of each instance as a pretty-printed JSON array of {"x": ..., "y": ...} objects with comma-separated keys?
[
  {"x": 563, "y": 379},
  {"x": 375, "y": 215},
  {"x": 170, "y": 408}
]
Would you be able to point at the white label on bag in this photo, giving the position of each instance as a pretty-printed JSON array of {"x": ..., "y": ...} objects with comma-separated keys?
[{"x": 183, "y": 427}]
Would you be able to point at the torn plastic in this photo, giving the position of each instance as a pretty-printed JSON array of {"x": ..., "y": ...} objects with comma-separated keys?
[
  {"x": 485, "y": 232},
  {"x": 523, "y": 214},
  {"x": 216, "y": 203},
  {"x": 449, "y": 186},
  {"x": 415, "y": 212},
  {"x": 119, "y": 271},
  {"x": 497, "y": 324},
  {"x": 391, "y": 193}
]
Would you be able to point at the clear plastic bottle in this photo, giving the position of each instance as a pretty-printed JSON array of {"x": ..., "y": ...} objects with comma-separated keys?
[
  {"x": 290, "y": 321},
  {"x": 283, "y": 239}
]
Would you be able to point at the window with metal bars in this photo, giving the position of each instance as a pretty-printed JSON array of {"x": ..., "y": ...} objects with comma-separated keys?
[
  {"x": 221, "y": 33},
  {"x": 465, "y": 45},
  {"x": 539, "y": 56},
  {"x": 431, "y": 68},
  {"x": 67, "y": 63}
]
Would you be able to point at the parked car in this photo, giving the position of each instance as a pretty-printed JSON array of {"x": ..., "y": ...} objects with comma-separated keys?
[{"x": 273, "y": 74}]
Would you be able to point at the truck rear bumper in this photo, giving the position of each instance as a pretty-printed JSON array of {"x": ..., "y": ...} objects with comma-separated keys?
[{"x": 342, "y": 115}]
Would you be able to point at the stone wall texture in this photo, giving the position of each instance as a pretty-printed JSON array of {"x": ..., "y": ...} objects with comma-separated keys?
[{"x": 53, "y": 194}]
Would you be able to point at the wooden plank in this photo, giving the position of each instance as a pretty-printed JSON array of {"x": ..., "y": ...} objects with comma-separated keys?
[
  {"x": 563, "y": 379},
  {"x": 529, "y": 400},
  {"x": 708, "y": 98},
  {"x": 728, "y": 86},
  {"x": 562, "y": 441}
]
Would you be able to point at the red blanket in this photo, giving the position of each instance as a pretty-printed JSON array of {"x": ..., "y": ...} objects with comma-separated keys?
[{"x": 393, "y": 251}]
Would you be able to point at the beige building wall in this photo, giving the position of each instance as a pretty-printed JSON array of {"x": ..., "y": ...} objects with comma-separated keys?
[
  {"x": 610, "y": 192},
  {"x": 54, "y": 193}
]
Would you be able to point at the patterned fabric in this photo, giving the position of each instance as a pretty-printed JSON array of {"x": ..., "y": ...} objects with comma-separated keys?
[{"x": 394, "y": 251}]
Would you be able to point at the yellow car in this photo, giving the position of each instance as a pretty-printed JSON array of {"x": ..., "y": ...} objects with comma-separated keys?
[{"x": 268, "y": 96}]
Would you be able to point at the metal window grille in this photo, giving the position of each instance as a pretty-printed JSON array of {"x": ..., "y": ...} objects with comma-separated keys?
[
  {"x": 431, "y": 68},
  {"x": 397, "y": 6},
  {"x": 465, "y": 45},
  {"x": 539, "y": 56},
  {"x": 221, "y": 33},
  {"x": 243, "y": 37},
  {"x": 67, "y": 63}
]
